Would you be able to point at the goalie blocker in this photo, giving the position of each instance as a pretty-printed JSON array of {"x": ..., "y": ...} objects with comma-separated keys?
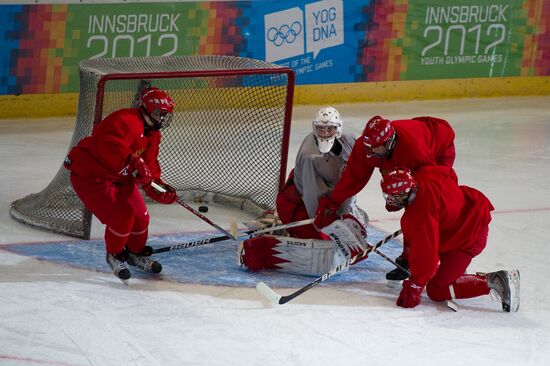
[{"x": 311, "y": 257}]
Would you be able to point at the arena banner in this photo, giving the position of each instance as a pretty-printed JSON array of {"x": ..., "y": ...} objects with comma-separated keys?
[
  {"x": 470, "y": 38},
  {"x": 319, "y": 40},
  {"x": 326, "y": 41}
]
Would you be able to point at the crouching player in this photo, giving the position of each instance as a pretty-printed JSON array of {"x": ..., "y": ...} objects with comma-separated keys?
[
  {"x": 384, "y": 144},
  {"x": 107, "y": 170},
  {"x": 446, "y": 226}
]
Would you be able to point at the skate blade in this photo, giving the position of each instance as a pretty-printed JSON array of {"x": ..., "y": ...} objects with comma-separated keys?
[
  {"x": 126, "y": 282},
  {"x": 514, "y": 279}
]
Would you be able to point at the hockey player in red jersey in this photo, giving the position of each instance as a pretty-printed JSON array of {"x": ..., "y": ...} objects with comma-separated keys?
[
  {"x": 446, "y": 226},
  {"x": 384, "y": 144},
  {"x": 107, "y": 170}
]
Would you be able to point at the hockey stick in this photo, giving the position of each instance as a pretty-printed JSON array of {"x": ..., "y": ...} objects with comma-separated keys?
[
  {"x": 199, "y": 242},
  {"x": 195, "y": 243},
  {"x": 195, "y": 212},
  {"x": 276, "y": 298},
  {"x": 403, "y": 269},
  {"x": 205, "y": 219},
  {"x": 284, "y": 226}
]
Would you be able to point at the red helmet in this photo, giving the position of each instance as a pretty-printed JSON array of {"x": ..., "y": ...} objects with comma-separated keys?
[
  {"x": 398, "y": 187},
  {"x": 378, "y": 137},
  {"x": 158, "y": 105}
]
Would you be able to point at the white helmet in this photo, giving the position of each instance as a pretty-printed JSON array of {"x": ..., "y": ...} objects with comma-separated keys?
[{"x": 327, "y": 126}]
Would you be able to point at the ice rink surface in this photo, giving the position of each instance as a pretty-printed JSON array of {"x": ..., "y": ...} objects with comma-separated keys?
[{"x": 54, "y": 312}]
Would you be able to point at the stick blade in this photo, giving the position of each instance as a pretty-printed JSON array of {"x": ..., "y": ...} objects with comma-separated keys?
[
  {"x": 452, "y": 305},
  {"x": 268, "y": 293},
  {"x": 233, "y": 229}
]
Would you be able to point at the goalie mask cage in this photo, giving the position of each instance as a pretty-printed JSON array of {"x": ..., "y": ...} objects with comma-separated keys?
[{"x": 227, "y": 143}]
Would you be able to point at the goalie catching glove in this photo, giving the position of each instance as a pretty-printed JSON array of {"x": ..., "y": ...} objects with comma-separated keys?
[{"x": 349, "y": 235}]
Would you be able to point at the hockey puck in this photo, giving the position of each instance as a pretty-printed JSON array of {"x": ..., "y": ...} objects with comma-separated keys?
[{"x": 203, "y": 208}]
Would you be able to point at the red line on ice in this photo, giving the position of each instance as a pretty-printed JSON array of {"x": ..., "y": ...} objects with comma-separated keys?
[
  {"x": 496, "y": 212},
  {"x": 41, "y": 362}
]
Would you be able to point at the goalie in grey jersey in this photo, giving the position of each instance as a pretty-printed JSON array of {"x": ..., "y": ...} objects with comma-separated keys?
[{"x": 319, "y": 164}]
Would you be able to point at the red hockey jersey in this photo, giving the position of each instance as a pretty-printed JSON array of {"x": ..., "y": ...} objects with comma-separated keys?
[
  {"x": 106, "y": 153},
  {"x": 420, "y": 142},
  {"x": 442, "y": 217}
]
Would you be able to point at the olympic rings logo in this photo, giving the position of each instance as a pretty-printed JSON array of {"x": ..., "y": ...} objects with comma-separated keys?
[{"x": 284, "y": 33}]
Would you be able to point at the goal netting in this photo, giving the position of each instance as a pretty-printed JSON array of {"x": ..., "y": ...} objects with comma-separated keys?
[{"x": 227, "y": 143}]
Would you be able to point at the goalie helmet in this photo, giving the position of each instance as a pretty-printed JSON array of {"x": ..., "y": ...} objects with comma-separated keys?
[
  {"x": 398, "y": 188},
  {"x": 378, "y": 137},
  {"x": 158, "y": 106},
  {"x": 327, "y": 126}
]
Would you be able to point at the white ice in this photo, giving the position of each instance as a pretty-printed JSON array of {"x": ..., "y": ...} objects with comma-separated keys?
[{"x": 53, "y": 314}]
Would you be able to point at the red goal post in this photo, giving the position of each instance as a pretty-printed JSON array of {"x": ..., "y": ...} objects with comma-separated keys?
[{"x": 227, "y": 144}]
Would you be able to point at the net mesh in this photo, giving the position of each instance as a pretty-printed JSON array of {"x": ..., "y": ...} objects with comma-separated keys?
[{"x": 227, "y": 143}]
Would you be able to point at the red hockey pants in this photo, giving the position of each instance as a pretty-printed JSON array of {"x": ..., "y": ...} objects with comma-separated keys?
[
  {"x": 451, "y": 272},
  {"x": 120, "y": 207},
  {"x": 291, "y": 208}
]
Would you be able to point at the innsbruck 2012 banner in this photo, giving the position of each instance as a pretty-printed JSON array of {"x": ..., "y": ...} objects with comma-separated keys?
[{"x": 327, "y": 41}]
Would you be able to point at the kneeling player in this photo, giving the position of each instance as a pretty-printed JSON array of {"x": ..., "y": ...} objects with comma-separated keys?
[{"x": 446, "y": 226}]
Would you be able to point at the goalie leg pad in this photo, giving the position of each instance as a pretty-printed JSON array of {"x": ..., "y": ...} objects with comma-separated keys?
[
  {"x": 258, "y": 253},
  {"x": 349, "y": 236},
  {"x": 310, "y": 257}
]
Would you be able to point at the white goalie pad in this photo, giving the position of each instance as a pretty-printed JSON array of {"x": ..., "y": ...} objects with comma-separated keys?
[
  {"x": 310, "y": 257},
  {"x": 349, "y": 236}
]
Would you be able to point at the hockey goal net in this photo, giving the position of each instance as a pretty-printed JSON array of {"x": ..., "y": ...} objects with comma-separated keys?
[{"x": 227, "y": 143}]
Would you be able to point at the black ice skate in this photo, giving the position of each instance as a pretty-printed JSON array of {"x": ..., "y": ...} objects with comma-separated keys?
[
  {"x": 397, "y": 274},
  {"x": 504, "y": 287},
  {"x": 118, "y": 265},
  {"x": 143, "y": 262}
]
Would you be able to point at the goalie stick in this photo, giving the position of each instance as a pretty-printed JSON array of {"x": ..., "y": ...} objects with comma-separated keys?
[
  {"x": 205, "y": 241},
  {"x": 276, "y": 298},
  {"x": 284, "y": 226}
]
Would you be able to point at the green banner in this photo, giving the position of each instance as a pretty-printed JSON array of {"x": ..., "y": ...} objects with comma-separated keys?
[
  {"x": 470, "y": 38},
  {"x": 139, "y": 30},
  {"x": 132, "y": 31}
]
